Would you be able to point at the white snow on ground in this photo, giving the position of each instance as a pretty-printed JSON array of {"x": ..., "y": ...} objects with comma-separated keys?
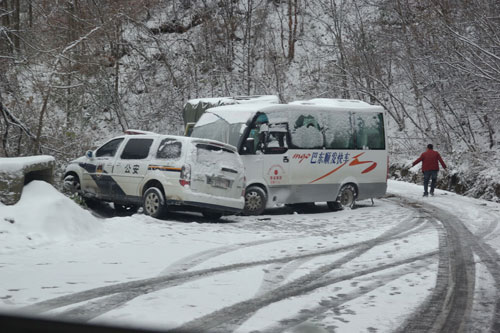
[
  {"x": 476, "y": 214},
  {"x": 43, "y": 215},
  {"x": 52, "y": 247}
]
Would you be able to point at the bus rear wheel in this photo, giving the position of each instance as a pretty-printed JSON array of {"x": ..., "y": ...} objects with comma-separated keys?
[
  {"x": 255, "y": 201},
  {"x": 347, "y": 196}
]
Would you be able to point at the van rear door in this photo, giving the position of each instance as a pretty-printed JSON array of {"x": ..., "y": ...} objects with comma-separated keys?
[{"x": 216, "y": 169}]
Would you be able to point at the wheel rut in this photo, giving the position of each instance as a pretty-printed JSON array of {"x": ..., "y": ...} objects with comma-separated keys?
[
  {"x": 96, "y": 308},
  {"x": 334, "y": 302},
  {"x": 448, "y": 308},
  {"x": 232, "y": 316},
  {"x": 132, "y": 289}
]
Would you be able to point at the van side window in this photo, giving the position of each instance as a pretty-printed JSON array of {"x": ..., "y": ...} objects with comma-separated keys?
[
  {"x": 169, "y": 149},
  {"x": 370, "y": 131},
  {"x": 339, "y": 131},
  {"x": 306, "y": 133},
  {"x": 276, "y": 139},
  {"x": 109, "y": 149},
  {"x": 136, "y": 149}
]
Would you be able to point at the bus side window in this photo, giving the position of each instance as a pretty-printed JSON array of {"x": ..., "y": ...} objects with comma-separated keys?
[
  {"x": 339, "y": 132},
  {"x": 306, "y": 133},
  {"x": 370, "y": 131}
]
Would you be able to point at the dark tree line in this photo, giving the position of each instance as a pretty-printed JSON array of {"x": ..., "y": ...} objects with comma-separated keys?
[{"x": 74, "y": 71}]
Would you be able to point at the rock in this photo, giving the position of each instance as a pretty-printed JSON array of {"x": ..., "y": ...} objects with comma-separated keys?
[{"x": 15, "y": 172}]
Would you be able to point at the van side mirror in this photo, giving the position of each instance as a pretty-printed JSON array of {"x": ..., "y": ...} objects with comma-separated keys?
[
  {"x": 249, "y": 146},
  {"x": 89, "y": 154}
]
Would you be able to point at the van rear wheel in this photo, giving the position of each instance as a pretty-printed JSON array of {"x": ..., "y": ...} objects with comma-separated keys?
[
  {"x": 154, "y": 203},
  {"x": 255, "y": 201}
]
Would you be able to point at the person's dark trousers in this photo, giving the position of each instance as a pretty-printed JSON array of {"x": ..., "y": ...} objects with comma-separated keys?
[{"x": 432, "y": 175}]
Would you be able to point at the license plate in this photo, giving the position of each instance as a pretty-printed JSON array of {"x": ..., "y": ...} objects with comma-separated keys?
[{"x": 218, "y": 182}]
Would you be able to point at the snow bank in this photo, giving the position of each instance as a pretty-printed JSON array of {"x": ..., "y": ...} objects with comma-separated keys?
[
  {"x": 43, "y": 215},
  {"x": 10, "y": 164}
]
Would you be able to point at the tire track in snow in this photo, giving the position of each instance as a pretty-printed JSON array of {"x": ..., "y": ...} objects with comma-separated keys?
[
  {"x": 487, "y": 256},
  {"x": 93, "y": 309},
  {"x": 148, "y": 285},
  {"x": 276, "y": 274},
  {"x": 234, "y": 314},
  {"x": 448, "y": 308},
  {"x": 229, "y": 316},
  {"x": 193, "y": 260},
  {"x": 332, "y": 303}
]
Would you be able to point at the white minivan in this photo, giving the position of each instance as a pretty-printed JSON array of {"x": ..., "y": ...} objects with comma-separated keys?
[
  {"x": 161, "y": 173},
  {"x": 320, "y": 150}
]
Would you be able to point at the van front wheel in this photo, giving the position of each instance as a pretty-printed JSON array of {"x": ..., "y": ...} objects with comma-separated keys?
[
  {"x": 255, "y": 201},
  {"x": 154, "y": 203}
]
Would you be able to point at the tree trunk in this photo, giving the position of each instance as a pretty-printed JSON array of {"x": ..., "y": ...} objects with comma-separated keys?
[
  {"x": 293, "y": 11},
  {"x": 17, "y": 25},
  {"x": 30, "y": 14}
]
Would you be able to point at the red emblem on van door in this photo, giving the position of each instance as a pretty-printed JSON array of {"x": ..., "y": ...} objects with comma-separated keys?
[{"x": 276, "y": 173}]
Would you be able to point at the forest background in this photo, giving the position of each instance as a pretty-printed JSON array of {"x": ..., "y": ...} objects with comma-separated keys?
[{"x": 76, "y": 72}]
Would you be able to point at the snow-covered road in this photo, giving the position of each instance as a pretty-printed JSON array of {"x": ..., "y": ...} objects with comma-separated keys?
[{"x": 405, "y": 264}]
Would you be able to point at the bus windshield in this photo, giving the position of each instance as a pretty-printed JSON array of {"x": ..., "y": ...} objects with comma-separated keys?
[{"x": 212, "y": 127}]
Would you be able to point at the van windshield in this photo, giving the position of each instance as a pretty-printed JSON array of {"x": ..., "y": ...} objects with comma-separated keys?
[{"x": 216, "y": 128}]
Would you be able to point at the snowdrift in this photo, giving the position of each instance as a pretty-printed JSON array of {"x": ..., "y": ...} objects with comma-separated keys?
[{"x": 44, "y": 215}]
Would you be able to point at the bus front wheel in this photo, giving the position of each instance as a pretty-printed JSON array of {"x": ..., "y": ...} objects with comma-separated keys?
[{"x": 255, "y": 201}]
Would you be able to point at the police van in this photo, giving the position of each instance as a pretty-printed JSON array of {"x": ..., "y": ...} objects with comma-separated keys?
[
  {"x": 320, "y": 150},
  {"x": 161, "y": 173}
]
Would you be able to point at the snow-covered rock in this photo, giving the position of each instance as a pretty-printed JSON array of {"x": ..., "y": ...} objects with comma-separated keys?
[{"x": 43, "y": 215}]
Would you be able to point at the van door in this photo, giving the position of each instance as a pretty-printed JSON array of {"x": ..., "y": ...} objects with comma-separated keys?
[
  {"x": 98, "y": 169},
  {"x": 274, "y": 139},
  {"x": 131, "y": 167},
  {"x": 216, "y": 170}
]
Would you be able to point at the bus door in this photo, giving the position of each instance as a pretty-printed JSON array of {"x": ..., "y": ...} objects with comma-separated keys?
[{"x": 273, "y": 143}]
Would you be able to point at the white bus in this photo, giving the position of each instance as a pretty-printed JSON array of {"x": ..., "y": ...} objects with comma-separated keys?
[{"x": 321, "y": 150}]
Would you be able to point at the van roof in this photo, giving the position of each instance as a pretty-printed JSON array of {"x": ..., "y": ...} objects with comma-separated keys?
[
  {"x": 151, "y": 135},
  {"x": 242, "y": 112}
]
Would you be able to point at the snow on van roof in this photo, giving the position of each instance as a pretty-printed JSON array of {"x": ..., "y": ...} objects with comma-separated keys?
[
  {"x": 330, "y": 102},
  {"x": 271, "y": 99}
]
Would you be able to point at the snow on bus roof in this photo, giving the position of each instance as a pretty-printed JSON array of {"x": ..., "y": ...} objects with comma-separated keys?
[
  {"x": 240, "y": 113},
  {"x": 330, "y": 102},
  {"x": 271, "y": 99}
]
